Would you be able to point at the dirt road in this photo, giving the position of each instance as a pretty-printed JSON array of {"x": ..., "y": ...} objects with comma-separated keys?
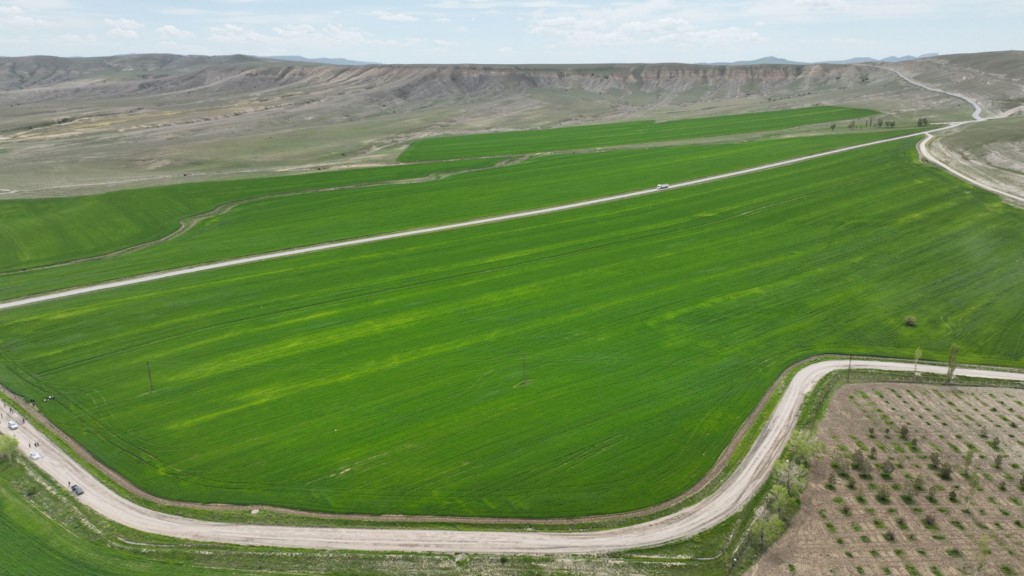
[
  {"x": 738, "y": 489},
  {"x": 421, "y": 231},
  {"x": 926, "y": 154}
]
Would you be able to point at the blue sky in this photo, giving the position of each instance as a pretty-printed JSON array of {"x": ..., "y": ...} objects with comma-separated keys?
[{"x": 513, "y": 31}]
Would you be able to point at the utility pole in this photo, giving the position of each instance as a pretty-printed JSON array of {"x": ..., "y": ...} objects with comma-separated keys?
[
  {"x": 149, "y": 370},
  {"x": 849, "y": 368},
  {"x": 522, "y": 380}
]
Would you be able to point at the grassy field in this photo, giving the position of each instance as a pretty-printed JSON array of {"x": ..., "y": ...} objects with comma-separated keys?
[
  {"x": 618, "y": 134},
  {"x": 287, "y": 221},
  {"x": 43, "y": 231},
  {"x": 43, "y": 532},
  {"x": 391, "y": 378}
]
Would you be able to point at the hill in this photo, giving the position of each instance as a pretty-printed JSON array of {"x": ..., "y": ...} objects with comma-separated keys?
[
  {"x": 334, "y": 61},
  {"x": 992, "y": 78},
  {"x": 93, "y": 124}
]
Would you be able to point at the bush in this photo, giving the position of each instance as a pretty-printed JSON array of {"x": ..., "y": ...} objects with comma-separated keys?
[
  {"x": 8, "y": 447},
  {"x": 945, "y": 472},
  {"x": 910, "y": 322},
  {"x": 883, "y": 495}
]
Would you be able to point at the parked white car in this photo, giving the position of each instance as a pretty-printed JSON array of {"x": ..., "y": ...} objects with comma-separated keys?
[
  {"x": 12, "y": 425},
  {"x": 35, "y": 455}
]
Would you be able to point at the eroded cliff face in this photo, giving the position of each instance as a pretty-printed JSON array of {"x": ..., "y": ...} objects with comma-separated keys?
[
  {"x": 699, "y": 82},
  {"x": 149, "y": 75},
  {"x": 99, "y": 123}
]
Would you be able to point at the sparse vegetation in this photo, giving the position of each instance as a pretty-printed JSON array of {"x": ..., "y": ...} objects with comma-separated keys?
[{"x": 963, "y": 525}]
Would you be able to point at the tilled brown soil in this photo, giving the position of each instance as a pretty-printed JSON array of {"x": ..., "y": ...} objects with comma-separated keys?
[{"x": 970, "y": 523}]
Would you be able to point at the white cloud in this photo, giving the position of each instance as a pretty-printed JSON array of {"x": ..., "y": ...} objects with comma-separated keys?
[
  {"x": 807, "y": 10},
  {"x": 347, "y": 36},
  {"x": 729, "y": 35},
  {"x": 172, "y": 32},
  {"x": 649, "y": 23},
  {"x": 503, "y": 4},
  {"x": 393, "y": 16},
  {"x": 297, "y": 31},
  {"x": 15, "y": 16},
  {"x": 123, "y": 27},
  {"x": 231, "y": 33},
  {"x": 124, "y": 23},
  {"x": 293, "y": 37},
  {"x": 122, "y": 33}
]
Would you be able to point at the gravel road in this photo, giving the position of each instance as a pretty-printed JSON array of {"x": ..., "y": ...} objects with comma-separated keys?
[
  {"x": 420, "y": 231},
  {"x": 977, "y": 115},
  {"x": 737, "y": 490}
]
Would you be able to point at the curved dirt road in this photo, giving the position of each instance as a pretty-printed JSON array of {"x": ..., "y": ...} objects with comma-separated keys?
[
  {"x": 974, "y": 103},
  {"x": 926, "y": 154},
  {"x": 737, "y": 490}
]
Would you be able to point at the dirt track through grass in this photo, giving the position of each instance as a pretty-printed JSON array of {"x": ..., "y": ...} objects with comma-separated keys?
[{"x": 435, "y": 229}]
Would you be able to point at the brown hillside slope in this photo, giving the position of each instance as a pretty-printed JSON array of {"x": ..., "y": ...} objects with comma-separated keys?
[
  {"x": 994, "y": 79},
  {"x": 93, "y": 124}
]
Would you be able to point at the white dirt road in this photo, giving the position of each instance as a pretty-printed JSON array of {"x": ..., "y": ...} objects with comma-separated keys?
[
  {"x": 420, "y": 231},
  {"x": 737, "y": 490},
  {"x": 977, "y": 115}
]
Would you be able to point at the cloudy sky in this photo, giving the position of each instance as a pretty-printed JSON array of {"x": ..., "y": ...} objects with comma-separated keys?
[{"x": 513, "y": 31}]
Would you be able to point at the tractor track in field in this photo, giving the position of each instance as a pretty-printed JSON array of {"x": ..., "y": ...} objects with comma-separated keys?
[
  {"x": 729, "y": 498},
  {"x": 189, "y": 222}
]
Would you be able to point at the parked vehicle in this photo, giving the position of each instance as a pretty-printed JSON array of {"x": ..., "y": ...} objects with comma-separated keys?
[
  {"x": 12, "y": 425},
  {"x": 77, "y": 490}
]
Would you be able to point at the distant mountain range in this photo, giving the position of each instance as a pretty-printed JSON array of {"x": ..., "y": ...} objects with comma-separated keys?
[
  {"x": 333, "y": 61},
  {"x": 858, "y": 60},
  {"x": 765, "y": 60}
]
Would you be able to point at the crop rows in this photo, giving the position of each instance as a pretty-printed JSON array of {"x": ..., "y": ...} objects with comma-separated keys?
[
  {"x": 619, "y": 134},
  {"x": 592, "y": 361},
  {"x": 290, "y": 220}
]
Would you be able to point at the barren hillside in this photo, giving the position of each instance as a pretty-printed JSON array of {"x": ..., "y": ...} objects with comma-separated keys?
[
  {"x": 995, "y": 79},
  {"x": 93, "y": 124}
]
